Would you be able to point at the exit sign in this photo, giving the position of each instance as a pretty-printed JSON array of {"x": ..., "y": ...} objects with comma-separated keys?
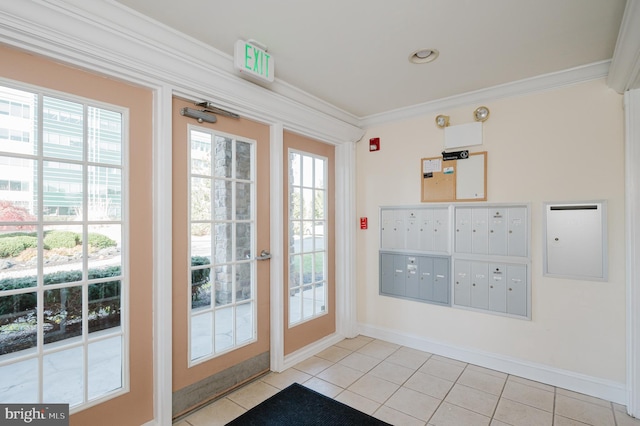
[{"x": 254, "y": 61}]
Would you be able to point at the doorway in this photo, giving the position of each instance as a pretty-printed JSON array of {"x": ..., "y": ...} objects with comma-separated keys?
[{"x": 220, "y": 276}]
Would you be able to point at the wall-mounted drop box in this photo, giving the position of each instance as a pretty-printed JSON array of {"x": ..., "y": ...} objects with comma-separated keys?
[{"x": 575, "y": 243}]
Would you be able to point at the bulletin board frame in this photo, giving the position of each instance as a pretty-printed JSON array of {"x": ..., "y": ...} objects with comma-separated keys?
[{"x": 454, "y": 180}]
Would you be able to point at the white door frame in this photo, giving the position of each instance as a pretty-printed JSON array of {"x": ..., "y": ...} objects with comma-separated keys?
[{"x": 632, "y": 215}]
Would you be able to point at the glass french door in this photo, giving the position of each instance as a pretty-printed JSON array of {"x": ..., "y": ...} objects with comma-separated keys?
[
  {"x": 220, "y": 227},
  {"x": 76, "y": 277}
]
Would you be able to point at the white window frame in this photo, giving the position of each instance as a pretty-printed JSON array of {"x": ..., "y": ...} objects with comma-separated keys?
[
  {"x": 86, "y": 339},
  {"x": 327, "y": 307},
  {"x": 253, "y": 221}
]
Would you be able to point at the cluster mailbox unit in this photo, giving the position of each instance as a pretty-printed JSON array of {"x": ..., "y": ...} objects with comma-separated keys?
[{"x": 472, "y": 256}]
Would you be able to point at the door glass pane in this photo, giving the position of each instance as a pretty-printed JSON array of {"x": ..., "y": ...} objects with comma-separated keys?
[
  {"x": 19, "y": 383},
  {"x": 104, "y": 136},
  {"x": 62, "y": 129},
  {"x": 105, "y": 359},
  {"x": 62, "y": 210},
  {"x": 63, "y": 254},
  {"x": 104, "y": 306},
  {"x": 105, "y": 193},
  {"x": 63, "y": 367},
  {"x": 307, "y": 248},
  {"x": 226, "y": 240},
  {"x": 200, "y": 198},
  {"x": 18, "y": 320},
  {"x": 62, "y": 314}
]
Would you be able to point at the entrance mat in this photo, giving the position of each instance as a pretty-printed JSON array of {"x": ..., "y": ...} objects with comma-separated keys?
[{"x": 300, "y": 406}]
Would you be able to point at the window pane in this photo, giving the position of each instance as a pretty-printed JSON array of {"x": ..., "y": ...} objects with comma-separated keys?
[
  {"x": 18, "y": 195},
  {"x": 307, "y": 204},
  {"x": 18, "y": 254},
  {"x": 223, "y": 242},
  {"x": 307, "y": 302},
  {"x": 318, "y": 207},
  {"x": 200, "y": 199},
  {"x": 105, "y": 193},
  {"x": 200, "y": 285},
  {"x": 295, "y": 162},
  {"x": 62, "y": 254},
  {"x": 104, "y": 136},
  {"x": 295, "y": 204},
  {"x": 105, "y": 247},
  {"x": 243, "y": 201},
  {"x": 243, "y": 241},
  {"x": 244, "y": 323},
  {"x": 104, "y": 305},
  {"x": 62, "y": 192},
  {"x": 307, "y": 171},
  {"x": 18, "y": 128},
  {"x": 19, "y": 382},
  {"x": 201, "y": 241},
  {"x": 320, "y": 294},
  {"x": 224, "y": 285},
  {"x": 223, "y": 154},
  {"x": 18, "y": 320},
  {"x": 63, "y": 367},
  {"x": 224, "y": 329},
  {"x": 62, "y": 314},
  {"x": 201, "y": 335},
  {"x": 105, "y": 366},
  {"x": 62, "y": 129},
  {"x": 243, "y": 160},
  {"x": 319, "y": 173},
  {"x": 200, "y": 153},
  {"x": 243, "y": 282},
  {"x": 223, "y": 196}
]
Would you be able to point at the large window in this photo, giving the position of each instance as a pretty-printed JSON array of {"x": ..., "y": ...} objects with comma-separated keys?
[
  {"x": 307, "y": 236},
  {"x": 222, "y": 240},
  {"x": 63, "y": 280}
]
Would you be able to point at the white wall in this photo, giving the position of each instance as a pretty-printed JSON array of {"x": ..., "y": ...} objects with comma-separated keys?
[{"x": 561, "y": 145}]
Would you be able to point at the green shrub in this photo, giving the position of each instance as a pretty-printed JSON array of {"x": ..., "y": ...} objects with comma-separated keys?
[
  {"x": 18, "y": 234},
  {"x": 13, "y": 246},
  {"x": 200, "y": 276},
  {"x": 61, "y": 239},
  {"x": 100, "y": 241}
]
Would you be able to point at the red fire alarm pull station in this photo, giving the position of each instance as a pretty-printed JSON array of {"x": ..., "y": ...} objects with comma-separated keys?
[
  {"x": 374, "y": 144},
  {"x": 364, "y": 223}
]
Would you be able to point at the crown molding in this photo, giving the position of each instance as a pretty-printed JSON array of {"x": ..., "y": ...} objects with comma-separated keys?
[
  {"x": 110, "y": 39},
  {"x": 536, "y": 84},
  {"x": 624, "y": 73}
]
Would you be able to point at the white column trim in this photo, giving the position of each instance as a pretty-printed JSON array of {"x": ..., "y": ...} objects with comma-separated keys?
[
  {"x": 346, "y": 316},
  {"x": 277, "y": 244},
  {"x": 632, "y": 213},
  {"x": 162, "y": 255}
]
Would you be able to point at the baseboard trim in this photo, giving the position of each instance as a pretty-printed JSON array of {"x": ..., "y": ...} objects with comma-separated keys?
[
  {"x": 311, "y": 350},
  {"x": 577, "y": 382}
]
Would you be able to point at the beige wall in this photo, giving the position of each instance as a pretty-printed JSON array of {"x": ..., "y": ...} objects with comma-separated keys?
[{"x": 560, "y": 145}]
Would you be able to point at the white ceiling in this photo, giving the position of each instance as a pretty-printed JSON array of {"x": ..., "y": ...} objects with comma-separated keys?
[{"x": 353, "y": 54}]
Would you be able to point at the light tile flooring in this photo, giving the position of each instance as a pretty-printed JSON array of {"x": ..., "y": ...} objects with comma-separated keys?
[{"x": 406, "y": 387}]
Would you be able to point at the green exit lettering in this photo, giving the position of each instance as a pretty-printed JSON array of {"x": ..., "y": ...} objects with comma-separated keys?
[{"x": 256, "y": 60}]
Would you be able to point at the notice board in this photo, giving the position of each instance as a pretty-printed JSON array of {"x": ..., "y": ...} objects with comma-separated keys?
[{"x": 454, "y": 180}]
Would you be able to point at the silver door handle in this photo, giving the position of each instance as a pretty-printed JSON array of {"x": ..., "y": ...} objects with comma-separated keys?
[{"x": 264, "y": 255}]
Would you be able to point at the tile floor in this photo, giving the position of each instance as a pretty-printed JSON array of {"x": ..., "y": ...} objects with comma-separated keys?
[{"x": 406, "y": 387}]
